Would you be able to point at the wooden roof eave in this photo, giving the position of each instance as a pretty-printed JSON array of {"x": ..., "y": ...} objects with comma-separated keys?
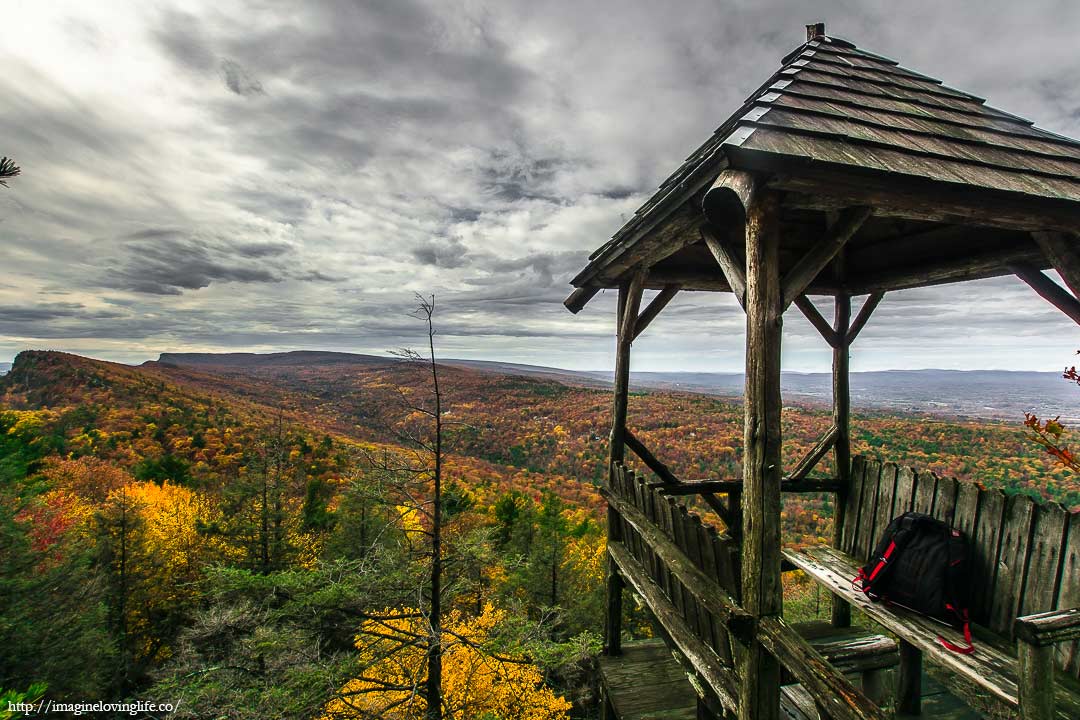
[
  {"x": 648, "y": 243},
  {"x": 838, "y": 187},
  {"x": 812, "y": 185},
  {"x": 998, "y": 171}
]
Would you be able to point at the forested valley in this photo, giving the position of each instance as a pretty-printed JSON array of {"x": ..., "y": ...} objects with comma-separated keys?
[{"x": 256, "y": 537}]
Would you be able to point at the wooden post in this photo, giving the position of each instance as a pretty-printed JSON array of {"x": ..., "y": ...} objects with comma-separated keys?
[
  {"x": 762, "y": 594},
  {"x": 909, "y": 682},
  {"x": 1036, "y": 681},
  {"x": 613, "y": 616},
  {"x": 841, "y": 388},
  {"x": 629, "y": 302}
]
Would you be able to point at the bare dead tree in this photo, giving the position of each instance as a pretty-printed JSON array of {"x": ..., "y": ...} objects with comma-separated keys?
[{"x": 422, "y": 462}]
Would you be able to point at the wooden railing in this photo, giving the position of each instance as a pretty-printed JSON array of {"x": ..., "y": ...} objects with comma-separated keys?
[{"x": 687, "y": 573}]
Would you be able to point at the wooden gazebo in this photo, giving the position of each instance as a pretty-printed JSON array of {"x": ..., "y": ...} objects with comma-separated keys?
[{"x": 843, "y": 175}]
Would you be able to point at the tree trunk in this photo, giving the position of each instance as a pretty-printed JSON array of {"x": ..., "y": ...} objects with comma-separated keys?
[{"x": 433, "y": 690}]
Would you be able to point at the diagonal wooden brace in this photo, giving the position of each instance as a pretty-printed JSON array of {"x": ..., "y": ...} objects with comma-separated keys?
[
  {"x": 807, "y": 307},
  {"x": 658, "y": 303},
  {"x": 1056, "y": 295},
  {"x": 732, "y": 268},
  {"x": 814, "y": 261},
  {"x": 865, "y": 312},
  {"x": 812, "y": 458},
  {"x": 1063, "y": 252},
  {"x": 662, "y": 471}
]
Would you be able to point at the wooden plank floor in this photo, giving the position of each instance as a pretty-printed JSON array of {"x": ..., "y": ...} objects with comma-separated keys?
[
  {"x": 646, "y": 683},
  {"x": 938, "y": 702}
]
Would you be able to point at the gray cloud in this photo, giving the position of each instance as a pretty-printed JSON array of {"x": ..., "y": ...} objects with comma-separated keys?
[
  {"x": 160, "y": 261},
  {"x": 449, "y": 253},
  {"x": 238, "y": 80},
  {"x": 273, "y": 175}
]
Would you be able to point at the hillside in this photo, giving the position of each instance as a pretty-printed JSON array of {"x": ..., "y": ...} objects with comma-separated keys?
[
  {"x": 291, "y": 482},
  {"x": 975, "y": 394},
  {"x": 203, "y": 413},
  {"x": 148, "y": 501},
  {"x": 554, "y": 421}
]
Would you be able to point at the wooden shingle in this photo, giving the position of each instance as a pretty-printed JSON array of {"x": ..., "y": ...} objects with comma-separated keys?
[{"x": 835, "y": 108}]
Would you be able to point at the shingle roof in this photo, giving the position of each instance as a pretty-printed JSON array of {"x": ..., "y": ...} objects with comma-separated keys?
[{"x": 835, "y": 104}]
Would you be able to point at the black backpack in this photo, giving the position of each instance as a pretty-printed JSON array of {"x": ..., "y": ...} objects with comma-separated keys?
[{"x": 921, "y": 564}]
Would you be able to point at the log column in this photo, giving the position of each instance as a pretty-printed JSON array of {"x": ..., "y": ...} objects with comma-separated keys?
[
  {"x": 762, "y": 594},
  {"x": 629, "y": 303},
  {"x": 841, "y": 611}
]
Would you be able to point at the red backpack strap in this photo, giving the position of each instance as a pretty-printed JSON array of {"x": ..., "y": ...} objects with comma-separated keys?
[
  {"x": 866, "y": 581},
  {"x": 968, "y": 647}
]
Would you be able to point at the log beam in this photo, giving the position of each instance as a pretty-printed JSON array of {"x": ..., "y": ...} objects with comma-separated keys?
[
  {"x": 649, "y": 313},
  {"x": 799, "y": 277},
  {"x": 834, "y": 693},
  {"x": 728, "y": 262},
  {"x": 580, "y": 298},
  {"x": 867, "y": 309},
  {"x": 662, "y": 471},
  {"x": 813, "y": 457},
  {"x": 668, "y": 479},
  {"x": 821, "y": 324},
  {"x": 629, "y": 302},
  {"x": 1053, "y": 293},
  {"x": 826, "y": 189},
  {"x": 1035, "y": 684},
  {"x": 909, "y": 680},
  {"x": 1063, "y": 252},
  {"x": 841, "y": 392},
  {"x": 613, "y": 609},
  {"x": 759, "y": 692},
  {"x": 992, "y": 263},
  {"x": 699, "y": 487},
  {"x": 728, "y": 201}
]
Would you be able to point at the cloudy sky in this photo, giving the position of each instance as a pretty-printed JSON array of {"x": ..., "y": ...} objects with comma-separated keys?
[{"x": 269, "y": 175}]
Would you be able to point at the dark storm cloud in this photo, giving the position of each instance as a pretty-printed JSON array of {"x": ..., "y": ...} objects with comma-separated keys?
[
  {"x": 167, "y": 262},
  {"x": 282, "y": 207},
  {"x": 271, "y": 174},
  {"x": 39, "y": 312},
  {"x": 238, "y": 80},
  {"x": 545, "y": 266},
  {"x": 516, "y": 176},
  {"x": 441, "y": 253}
]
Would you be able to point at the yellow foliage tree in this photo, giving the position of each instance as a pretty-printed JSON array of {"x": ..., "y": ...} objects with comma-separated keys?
[
  {"x": 172, "y": 515},
  {"x": 476, "y": 684}
]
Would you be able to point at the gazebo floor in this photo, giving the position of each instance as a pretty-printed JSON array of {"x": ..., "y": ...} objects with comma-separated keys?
[{"x": 646, "y": 683}]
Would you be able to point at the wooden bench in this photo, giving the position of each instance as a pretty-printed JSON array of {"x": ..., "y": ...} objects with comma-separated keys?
[
  {"x": 1025, "y": 562},
  {"x": 646, "y": 682},
  {"x": 687, "y": 573}
]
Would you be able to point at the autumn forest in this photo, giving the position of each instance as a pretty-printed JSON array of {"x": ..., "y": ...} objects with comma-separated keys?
[{"x": 255, "y": 536}]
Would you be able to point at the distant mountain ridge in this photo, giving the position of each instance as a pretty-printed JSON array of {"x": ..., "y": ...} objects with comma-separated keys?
[
  {"x": 5, "y": 368},
  {"x": 991, "y": 394},
  {"x": 294, "y": 357}
]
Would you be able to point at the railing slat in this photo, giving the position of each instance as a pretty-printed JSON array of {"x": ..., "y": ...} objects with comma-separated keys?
[
  {"x": 705, "y": 664},
  {"x": 711, "y": 595},
  {"x": 830, "y": 689}
]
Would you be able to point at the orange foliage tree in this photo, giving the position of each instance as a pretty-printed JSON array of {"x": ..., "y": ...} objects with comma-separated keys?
[{"x": 1049, "y": 434}]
